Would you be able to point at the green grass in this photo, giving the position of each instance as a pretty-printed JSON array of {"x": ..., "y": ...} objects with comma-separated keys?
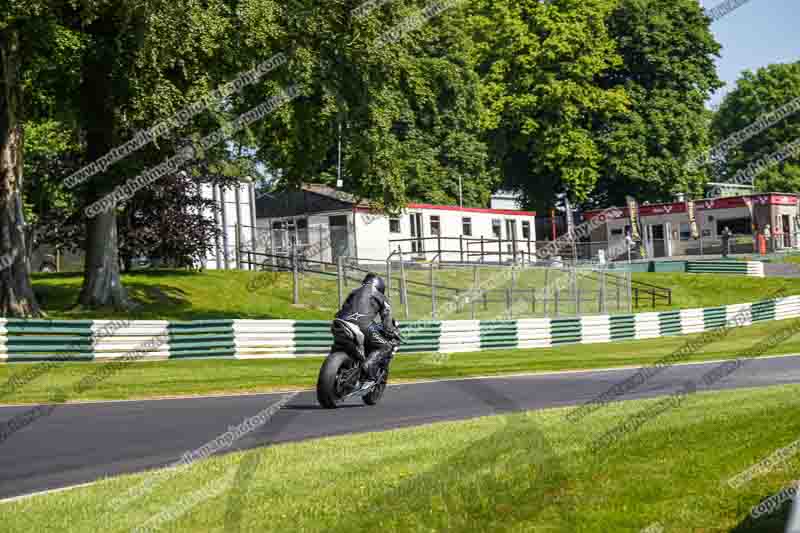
[
  {"x": 514, "y": 473},
  {"x": 708, "y": 290},
  {"x": 216, "y": 376},
  {"x": 183, "y": 295}
]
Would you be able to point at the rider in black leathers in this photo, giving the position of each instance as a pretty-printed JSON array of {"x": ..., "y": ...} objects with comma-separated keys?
[{"x": 361, "y": 308}]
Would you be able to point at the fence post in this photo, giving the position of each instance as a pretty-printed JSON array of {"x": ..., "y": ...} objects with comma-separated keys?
[
  {"x": 483, "y": 253},
  {"x": 509, "y": 302},
  {"x": 461, "y": 247},
  {"x": 388, "y": 276},
  {"x": 340, "y": 279},
  {"x": 500, "y": 251},
  {"x": 604, "y": 305},
  {"x": 630, "y": 288},
  {"x": 433, "y": 293},
  {"x": 403, "y": 286},
  {"x": 238, "y": 236},
  {"x": 546, "y": 287},
  {"x": 295, "y": 277},
  {"x": 556, "y": 303},
  {"x": 474, "y": 289}
]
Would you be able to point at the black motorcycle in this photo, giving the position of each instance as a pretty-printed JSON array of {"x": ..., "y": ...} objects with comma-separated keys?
[{"x": 341, "y": 376}]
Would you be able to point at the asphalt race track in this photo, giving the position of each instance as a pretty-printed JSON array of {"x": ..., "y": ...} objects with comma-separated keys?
[{"x": 80, "y": 443}]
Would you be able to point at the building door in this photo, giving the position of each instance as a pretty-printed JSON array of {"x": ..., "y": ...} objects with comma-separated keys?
[
  {"x": 511, "y": 232},
  {"x": 340, "y": 238},
  {"x": 787, "y": 237},
  {"x": 657, "y": 240},
  {"x": 417, "y": 244},
  {"x": 668, "y": 239}
]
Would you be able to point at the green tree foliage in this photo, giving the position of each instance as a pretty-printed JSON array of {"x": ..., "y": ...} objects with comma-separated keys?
[
  {"x": 755, "y": 96},
  {"x": 667, "y": 73},
  {"x": 409, "y": 110},
  {"x": 539, "y": 63}
]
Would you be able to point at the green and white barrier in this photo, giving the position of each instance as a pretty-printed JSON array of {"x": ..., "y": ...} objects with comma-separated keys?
[
  {"x": 744, "y": 268},
  {"x": 85, "y": 340}
]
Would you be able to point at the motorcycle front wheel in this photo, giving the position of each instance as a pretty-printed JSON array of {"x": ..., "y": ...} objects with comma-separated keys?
[{"x": 337, "y": 378}]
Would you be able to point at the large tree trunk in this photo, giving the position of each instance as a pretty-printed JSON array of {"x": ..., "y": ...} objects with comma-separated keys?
[
  {"x": 16, "y": 294},
  {"x": 102, "y": 285}
]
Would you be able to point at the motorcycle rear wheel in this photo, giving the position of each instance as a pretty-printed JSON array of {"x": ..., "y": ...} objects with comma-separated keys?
[{"x": 332, "y": 384}]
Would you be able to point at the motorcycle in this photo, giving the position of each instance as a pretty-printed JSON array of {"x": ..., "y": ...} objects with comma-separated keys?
[{"x": 341, "y": 376}]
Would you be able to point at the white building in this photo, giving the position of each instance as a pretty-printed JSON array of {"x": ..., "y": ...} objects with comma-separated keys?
[
  {"x": 506, "y": 200},
  {"x": 235, "y": 219},
  {"x": 328, "y": 223}
]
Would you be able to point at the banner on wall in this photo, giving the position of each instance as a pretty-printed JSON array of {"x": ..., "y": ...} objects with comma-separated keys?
[
  {"x": 692, "y": 219},
  {"x": 570, "y": 219},
  {"x": 749, "y": 203},
  {"x": 633, "y": 213}
]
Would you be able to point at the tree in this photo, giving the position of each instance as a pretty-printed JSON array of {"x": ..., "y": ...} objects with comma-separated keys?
[
  {"x": 667, "y": 73},
  {"x": 408, "y": 110},
  {"x": 756, "y": 96},
  {"x": 142, "y": 63},
  {"x": 539, "y": 64},
  {"x": 25, "y": 28}
]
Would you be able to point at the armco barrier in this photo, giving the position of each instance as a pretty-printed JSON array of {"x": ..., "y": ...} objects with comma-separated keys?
[
  {"x": 746, "y": 268},
  {"x": 31, "y": 340}
]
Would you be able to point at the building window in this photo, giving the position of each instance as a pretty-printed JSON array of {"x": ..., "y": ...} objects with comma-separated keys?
[
  {"x": 686, "y": 231},
  {"x": 302, "y": 230},
  {"x": 394, "y": 225},
  {"x": 741, "y": 226},
  {"x": 435, "y": 227},
  {"x": 466, "y": 226},
  {"x": 497, "y": 228},
  {"x": 526, "y": 229}
]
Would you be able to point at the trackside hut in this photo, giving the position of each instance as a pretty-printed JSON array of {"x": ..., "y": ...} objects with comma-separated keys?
[
  {"x": 328, "y": 223},
  {"x": 462, "y": 233},
  {"x": 666, "y": 230}
]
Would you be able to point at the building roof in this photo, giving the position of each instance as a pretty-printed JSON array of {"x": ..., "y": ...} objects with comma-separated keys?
[
  {"x": 310, "y": 198},
  {"x": 722, "y": 202},
  {"x": 319, "y": 198},
  {"x": 473, "y": 209},
  {"x": 328, "y": 191}
]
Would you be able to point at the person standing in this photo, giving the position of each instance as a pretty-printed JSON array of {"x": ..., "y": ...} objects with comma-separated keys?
[{"x": 726, "y": 241}]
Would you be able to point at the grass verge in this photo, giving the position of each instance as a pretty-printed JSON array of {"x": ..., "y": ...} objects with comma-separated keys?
[
  {"x": 183, "y": 295},
  {"x": 521, "y": 472},
  {"x": 216, "y": 376}
]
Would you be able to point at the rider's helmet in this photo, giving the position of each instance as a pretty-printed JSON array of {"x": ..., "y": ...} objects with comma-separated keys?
[{"x": 376, "y": 281}]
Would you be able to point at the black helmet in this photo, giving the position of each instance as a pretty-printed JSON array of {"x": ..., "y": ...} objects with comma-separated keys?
[{"x": 376, "y": 281}]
